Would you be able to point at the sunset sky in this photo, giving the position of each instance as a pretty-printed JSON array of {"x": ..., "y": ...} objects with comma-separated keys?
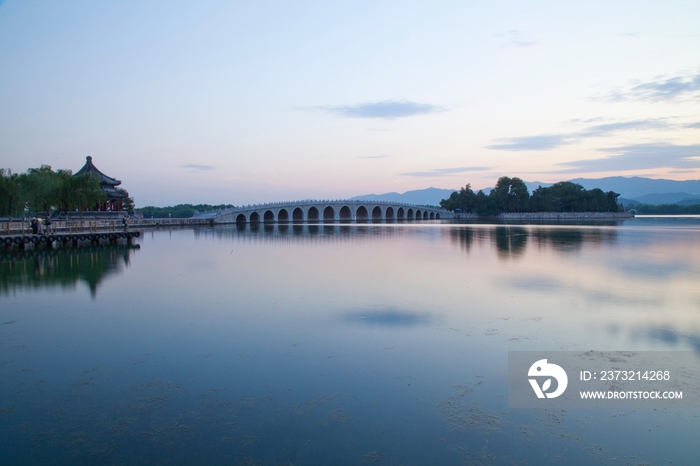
[{"x": 254, "y": 101}]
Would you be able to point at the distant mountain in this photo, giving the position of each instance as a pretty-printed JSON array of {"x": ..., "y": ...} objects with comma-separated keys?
[
  {"x": 429, "y": 196},
  {"x": 666, "y": 198},
  {"x": 689, "y": 201},
  {"x": 531, "y": 186},
  {"x": 627, "y": 202},
  {"x": 635, "y": 187},
  {"x": 634, "y": 190}
]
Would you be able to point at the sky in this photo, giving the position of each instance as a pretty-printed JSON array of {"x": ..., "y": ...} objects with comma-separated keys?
[{"x": 257, "y": 101}]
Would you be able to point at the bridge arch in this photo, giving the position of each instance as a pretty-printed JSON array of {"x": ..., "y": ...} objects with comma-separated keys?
[
  {"x": 361, "y": 214},
  {"x": 345, "y": 214},
  {"x": 298, "y": 215},
  {"x": 325, "y": 211},
  {"x": 312, "y": 214}
]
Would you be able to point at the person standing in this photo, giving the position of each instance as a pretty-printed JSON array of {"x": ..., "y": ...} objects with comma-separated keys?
[{"x": 125, "y": 221}]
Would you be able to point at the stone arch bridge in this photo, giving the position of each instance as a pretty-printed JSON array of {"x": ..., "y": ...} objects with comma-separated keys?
[{"x": 325, "y": 211}]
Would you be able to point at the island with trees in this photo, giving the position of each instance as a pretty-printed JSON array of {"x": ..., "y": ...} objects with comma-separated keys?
[{"x": 510, "y": 195}]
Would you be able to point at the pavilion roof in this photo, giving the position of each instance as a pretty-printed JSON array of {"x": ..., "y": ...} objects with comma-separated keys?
[{"x": 89, "y": 168}]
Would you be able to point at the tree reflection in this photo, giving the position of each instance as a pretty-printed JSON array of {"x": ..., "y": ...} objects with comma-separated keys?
[
  {"x": 63, "y": 267},
  {"x": 572, "y": 239},
  {"x": 510, "y": 241},
  {"x": 513, "y": 241}
]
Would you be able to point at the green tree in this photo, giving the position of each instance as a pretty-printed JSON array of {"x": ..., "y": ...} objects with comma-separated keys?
[
  {"x": 40, "y": 186},
  {"x": 511, "y": 195},
  {"x": 464, "y": 200},
  {"x": 46, "y": 190},
  {"x": 611, "y": 204},
  {"x": 518, "y": 196},
  {"x": 486, "y": 205},
  {"x": 10, "y": 194},
  {"x": 500, "y": 193},
  {"x": 82, "y": 192}
]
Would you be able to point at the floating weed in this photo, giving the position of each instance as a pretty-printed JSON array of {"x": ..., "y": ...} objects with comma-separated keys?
[
  {"x": 83, "y": 383},
  {"x": 249, "y": 439},
  {"x": 215, "y": 391},
  {"x": 157, "y": 400},
  {"x": 245, "y": 461},
  {"x": 334, "y": 417},
  {"x": 471, "y": 415},
  {"x": 372, "y": 457},
  {"x": 257, "y": 400},
  {"x": 328, "y": 397},
  {"x": 9, "y": 409}
]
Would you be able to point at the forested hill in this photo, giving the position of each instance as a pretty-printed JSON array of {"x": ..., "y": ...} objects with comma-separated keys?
[
  {"x": 511, "y": 195},
  {"x": 178, "y": 211}
]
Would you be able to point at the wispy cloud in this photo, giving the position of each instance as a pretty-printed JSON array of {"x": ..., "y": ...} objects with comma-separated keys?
[
  {"x": 383, "y": 156},
  {"x": 199, "y": 167},
  {"x": 638, "y": 157},
  {"x": 663, "y": 88},
  {"x": 388, "y": 109},
  {"x": 553, "y": 141},
  {"x": 693, "y": 125},
  {"x": 515, "y": 38},
  {"x": 446, "y": 171},
  {"x": 609, "y": 128},
  {"x": 542, "y": 142}
]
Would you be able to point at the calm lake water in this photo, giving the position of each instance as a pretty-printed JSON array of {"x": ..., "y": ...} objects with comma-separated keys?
[{"x": 338, "y": 345}]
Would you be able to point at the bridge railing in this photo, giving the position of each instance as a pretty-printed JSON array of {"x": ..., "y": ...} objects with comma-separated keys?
[{"x": 305, "y": 203}]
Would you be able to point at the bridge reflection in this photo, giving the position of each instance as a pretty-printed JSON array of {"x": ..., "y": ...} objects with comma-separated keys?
[
  {"x": 302, "y": 232},
  {"x": 508, "y": 241}
]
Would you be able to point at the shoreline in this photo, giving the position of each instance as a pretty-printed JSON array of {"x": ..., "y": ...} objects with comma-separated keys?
[{"x": 549, "y": 216}]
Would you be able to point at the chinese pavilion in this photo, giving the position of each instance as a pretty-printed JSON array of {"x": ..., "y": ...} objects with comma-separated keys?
[{"x": 115, "y": 197}]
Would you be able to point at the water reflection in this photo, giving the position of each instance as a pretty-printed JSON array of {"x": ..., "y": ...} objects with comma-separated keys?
[
  {"x": 665, "y": 337},
  {"x": 309, "y": 232},
  {"x": 63, "y": 267},
  {"x": 388, "y": 318},
  {"x": 512, "y": 241},
  {"x": 341, "y": 344}
]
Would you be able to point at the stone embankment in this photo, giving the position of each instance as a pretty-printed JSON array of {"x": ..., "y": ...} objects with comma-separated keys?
[
  {"x": 75, "y": 226},
  {"x": 568, "y": 216}
]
